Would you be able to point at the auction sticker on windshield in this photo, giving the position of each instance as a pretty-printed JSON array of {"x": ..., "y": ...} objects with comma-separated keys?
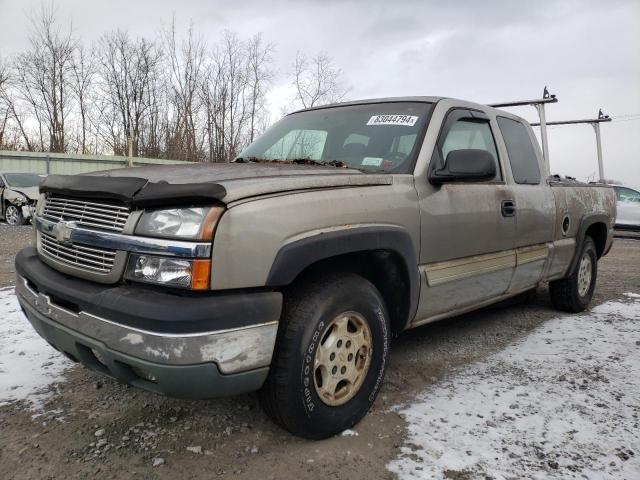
[
  {"x": 408, "y": 120},
  {"x": 372, "y": 161}
]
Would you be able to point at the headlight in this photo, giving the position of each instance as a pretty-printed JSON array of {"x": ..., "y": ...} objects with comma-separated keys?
[
  {"x": 193, "y": 223},
  {"x": 193, "y": 274},
  {"x": 187, "y": 223}
]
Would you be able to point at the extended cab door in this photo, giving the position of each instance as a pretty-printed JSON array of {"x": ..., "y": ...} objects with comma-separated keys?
[
  {"x": 534, "y": 205},
  {"x": 467, "y": 228}
]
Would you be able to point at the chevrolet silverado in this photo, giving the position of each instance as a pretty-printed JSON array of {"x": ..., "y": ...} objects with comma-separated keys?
[{"x": 290, "y": 269}]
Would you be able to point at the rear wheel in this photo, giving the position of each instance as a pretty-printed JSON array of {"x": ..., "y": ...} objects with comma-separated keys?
[
  {"x": 574, "y": 293},
  {"x": 13, "y": 215},
  {"x": 330, "y": 357}
]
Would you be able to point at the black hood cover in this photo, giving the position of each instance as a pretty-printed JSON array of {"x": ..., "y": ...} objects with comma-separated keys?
[{"x": 133, "y": 191}]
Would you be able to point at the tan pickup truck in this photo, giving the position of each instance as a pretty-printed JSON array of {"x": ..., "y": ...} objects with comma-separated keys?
[{"x": 289, "y": 270}]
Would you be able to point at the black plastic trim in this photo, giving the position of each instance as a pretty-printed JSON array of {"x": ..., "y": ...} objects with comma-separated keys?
[
  {"x": 151, "y": 309},
  {"x": 132, "y": 191},
  {"x": 586, "y": 222},
  {"x": 295, "y": 257}
]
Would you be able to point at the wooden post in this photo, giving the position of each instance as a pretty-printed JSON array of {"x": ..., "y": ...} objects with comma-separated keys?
[{"x": 130, "y": 141}]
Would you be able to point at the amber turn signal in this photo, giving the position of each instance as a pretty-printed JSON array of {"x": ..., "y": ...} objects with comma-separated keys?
[
  {"x": 210, "y": 222},
  {"x": 200, "y": 271}
]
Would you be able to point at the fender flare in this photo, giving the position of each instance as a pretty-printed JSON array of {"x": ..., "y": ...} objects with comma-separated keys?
[
  {"x": 296, "y": 256},
  {"x": 585, "y": 223}
]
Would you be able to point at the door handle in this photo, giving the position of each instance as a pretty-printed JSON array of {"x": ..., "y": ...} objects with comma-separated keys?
[{"x": 508, "y": 208}]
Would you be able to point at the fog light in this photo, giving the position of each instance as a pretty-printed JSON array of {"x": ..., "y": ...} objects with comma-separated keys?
[
  {"x": 144, "y": 375},
  {"x": 99, "y": 357}
]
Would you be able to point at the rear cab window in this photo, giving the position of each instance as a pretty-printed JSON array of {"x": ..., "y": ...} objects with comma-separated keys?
[{"x": 522, "y": 154}]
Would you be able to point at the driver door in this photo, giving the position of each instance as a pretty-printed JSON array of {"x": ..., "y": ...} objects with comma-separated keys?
[{"x": 467, "y": 235}]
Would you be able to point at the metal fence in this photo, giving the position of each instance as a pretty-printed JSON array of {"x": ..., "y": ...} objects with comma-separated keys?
[{"x": 69, "y": 164}]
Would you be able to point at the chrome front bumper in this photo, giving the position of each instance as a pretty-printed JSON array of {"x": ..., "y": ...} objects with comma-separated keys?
[{"x": 232, "y": 350}]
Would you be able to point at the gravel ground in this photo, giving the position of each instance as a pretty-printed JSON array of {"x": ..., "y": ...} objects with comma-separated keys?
[
  {"x": 92, "y": 426},
  {"x": 12, "y": 239}
]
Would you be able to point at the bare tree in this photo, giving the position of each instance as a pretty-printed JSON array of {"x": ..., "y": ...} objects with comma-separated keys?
[
  {"x": 10, "y": 113},
  {"x": 4, "y": 107},
  {"x": 173, "y": 96},
  {"x": 227, "y": 97},
  {"x": 259, "y": 78},
  {"x": 127, "y": 70},
  {"x": 185, "y": 60},
  {"x": 43, "y": 78},
  {"x": 83, "y": 75},
  {"x": 317, "y": 80}
]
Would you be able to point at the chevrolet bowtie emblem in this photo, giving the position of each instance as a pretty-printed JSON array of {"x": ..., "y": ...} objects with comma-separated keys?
[{"x": 63, "y": 230}]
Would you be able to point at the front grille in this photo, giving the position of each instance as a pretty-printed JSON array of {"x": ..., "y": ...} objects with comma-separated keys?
[
  {"x": 111, "y": 216},
  {"x": 80, "y": 256}
]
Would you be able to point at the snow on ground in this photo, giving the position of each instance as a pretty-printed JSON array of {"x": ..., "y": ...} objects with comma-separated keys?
[
  {"x": 28, "y": 364},
  {"x": 562, "y": 403}
]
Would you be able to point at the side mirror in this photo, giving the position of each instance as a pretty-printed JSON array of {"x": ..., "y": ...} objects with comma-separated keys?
[{"x": 468, "y": 165}]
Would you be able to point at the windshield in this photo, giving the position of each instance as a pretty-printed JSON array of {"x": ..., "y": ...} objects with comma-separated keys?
[
  {"x": 22, "y": 180},
  {"x": 381, "y": 137}
]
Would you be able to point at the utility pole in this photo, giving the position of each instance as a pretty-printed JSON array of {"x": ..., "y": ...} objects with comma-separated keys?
[
  {"x": 130, "y": 142},
  {"x": 595, "y": 123},
  {"x": 539, "y": 106}
]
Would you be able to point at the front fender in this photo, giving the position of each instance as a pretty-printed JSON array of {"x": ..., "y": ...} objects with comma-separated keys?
[{"x": 293, "y": 258}]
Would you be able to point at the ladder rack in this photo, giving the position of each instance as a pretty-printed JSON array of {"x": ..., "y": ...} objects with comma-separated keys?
[{"x": 595, "y": 123}]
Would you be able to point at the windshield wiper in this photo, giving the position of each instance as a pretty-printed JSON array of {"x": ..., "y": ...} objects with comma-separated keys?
[
  {"x": 322, "y": 163},
  {"x": 243, "y": 160},
  {"x": 295, "y": 161}
]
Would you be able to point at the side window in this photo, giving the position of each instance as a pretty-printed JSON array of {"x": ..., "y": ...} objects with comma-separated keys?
[
  {"x": 308, "y": 144},
  {"x": 522, "y": 155},
  {"x": 627, "y": 195},
  {"x": 1, "y": 182},
  {"x": 467, "y": 134}
]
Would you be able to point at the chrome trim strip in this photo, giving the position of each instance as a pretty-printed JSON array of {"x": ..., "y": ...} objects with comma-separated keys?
[
  {"x": 460, "y": 268},
  {"x": 130, "y": 243},
  {"x": 233, "y": 350},
  {"x": 532, "y": 254},
  {"x": 451, "y": 270}
]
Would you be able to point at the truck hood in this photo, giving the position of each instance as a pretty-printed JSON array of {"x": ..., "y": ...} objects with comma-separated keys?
[{"x": 226, "y": 182}]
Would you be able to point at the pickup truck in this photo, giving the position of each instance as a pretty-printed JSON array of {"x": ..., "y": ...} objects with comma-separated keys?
[{"x": 289, "y": 270}]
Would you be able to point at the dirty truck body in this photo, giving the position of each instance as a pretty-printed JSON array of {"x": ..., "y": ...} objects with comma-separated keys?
[{"x": 290, "y": 269}]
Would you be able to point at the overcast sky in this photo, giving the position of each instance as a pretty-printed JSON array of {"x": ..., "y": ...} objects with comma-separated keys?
[{"x": 587, "y": 52}]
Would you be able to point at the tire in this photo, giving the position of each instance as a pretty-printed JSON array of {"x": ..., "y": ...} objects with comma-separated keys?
[
  {"x": 13, "y": 215},
  {"x": 320, "y": 316},
  {"x": 573, "y": 294}
]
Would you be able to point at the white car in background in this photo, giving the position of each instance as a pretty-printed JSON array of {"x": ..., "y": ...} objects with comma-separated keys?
[{"x": 628, "y": 206}]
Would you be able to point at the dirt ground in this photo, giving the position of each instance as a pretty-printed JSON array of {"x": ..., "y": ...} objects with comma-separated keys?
[{"x": 93, "y": 427}]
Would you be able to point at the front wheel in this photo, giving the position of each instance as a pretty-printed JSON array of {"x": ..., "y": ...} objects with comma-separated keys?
[
  {"x": 330, "y": 358},
  {"x": 574, "y": 293},
  {"x": 13, "y": 215}
]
